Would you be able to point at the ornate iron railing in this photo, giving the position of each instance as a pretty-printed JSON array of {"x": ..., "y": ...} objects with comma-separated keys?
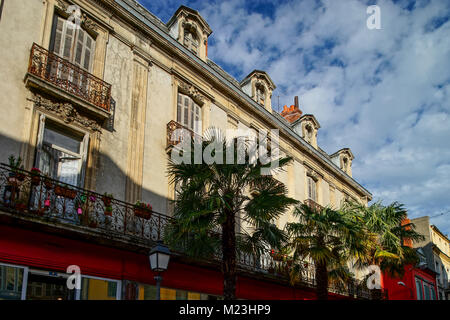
[
  {"x": 40, "y": 196},
  {"x": 176, "y": 132},
  {"x": 28, "y": 194},
  {"x": 69, "y": 77}
]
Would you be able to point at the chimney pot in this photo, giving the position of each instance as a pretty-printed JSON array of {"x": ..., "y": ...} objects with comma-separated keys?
[{"x": 296, "y": 102}]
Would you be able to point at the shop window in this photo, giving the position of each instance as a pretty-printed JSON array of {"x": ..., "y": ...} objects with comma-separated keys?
[
  {"x": 61, "y": 152},
  {"x": 46, "y": 287},
  {"x": 189, "y": 113},
  {"x": 11, "y": 282},
  {"x": 148, "y": 292},
  {"x": 99, "y": 289},
  {"x": 419, "y": 289}
]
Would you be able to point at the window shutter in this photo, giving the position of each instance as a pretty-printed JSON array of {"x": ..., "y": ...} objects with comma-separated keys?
[
  {"x": 191, "y": 115},
  {"x": 186, "y": 111},
  {"x": 179, "y": 107},
  {"x": 68, "y": 41},
  {"x": 58, "y": 36},
  {"x": 79, "y": 48},
  {"x": 197, "y": 119},
  {"x": 88, "y": 51}
]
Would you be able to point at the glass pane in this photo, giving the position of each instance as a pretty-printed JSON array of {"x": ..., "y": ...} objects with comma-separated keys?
[
  {"x": 56, "y": 136},
  {"x": 182, "y": 295},
  {"x": 419, "y": 290},
  {"x": 42, "y": 287},
  {"x": 168, "y": 294},
  {"x": 96, "y": 289},
  {"x": 10, "y": 283}
]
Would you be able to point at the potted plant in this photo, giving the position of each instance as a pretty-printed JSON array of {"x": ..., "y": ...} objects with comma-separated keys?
[
  {"x": 107, "y": 198},
  {"x": 16, "y": 166},
  {"x": 35, "y": 176},
  {"x": 143, "y": 210},
  {"x": 65, "y": 191},
  {"x": 108, "y": 211},
  {"x": 48, "y": 183}
]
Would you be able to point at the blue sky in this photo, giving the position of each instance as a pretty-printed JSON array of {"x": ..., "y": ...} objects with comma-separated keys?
[{"x": 383, "y": 93}]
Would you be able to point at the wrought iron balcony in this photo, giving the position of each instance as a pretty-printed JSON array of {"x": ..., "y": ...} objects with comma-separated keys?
[
  {"x": 69, "y": 78},
  {"x": 40, "y": 197},
  {"x": 176, "y": 133},
  {"x": 313, "y": 205}
]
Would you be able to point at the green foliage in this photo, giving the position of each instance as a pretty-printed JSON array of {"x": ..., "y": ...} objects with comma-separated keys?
[
  {"x": 387, "y": 230},
  {"x": 210, "y": 197}
]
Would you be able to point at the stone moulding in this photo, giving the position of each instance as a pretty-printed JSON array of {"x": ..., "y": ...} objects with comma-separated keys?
[{"x": 66, "y": 112}]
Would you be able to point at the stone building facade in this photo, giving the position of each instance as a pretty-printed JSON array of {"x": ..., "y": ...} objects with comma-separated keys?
[{"x": 93, "y": 105}]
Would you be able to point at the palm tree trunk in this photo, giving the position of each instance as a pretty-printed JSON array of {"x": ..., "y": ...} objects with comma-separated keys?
[
  {"x": 229, "y": 256},
  {"x": 321, "y": 281}
]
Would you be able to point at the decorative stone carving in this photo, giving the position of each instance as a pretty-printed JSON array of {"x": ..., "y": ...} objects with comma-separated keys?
[
  {"x": 87, "y": 22},
  {"x": 66, "y": 112},
  {"x": 190, "y": 90}
]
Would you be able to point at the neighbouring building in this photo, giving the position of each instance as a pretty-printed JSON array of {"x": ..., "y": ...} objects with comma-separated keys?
[
  {"x": 93, "y": 108},
  {"x": 418, "y": 281},
  {"x": 436, "y": 248}
]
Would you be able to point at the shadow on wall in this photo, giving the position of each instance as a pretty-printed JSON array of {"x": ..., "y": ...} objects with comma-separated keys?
[
  {"x": 1, "y": 8},
  {"x": 109, "y": 177}
]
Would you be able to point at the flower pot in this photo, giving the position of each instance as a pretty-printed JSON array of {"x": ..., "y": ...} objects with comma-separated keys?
[
  {"x": 35, "y": 180},
  {"x": 142, "y": 213},
  {"x": 106, "y": 201},
  {"x": 48, "y": 184},
  {"x": 65, "y": 192},
  {"x": 108, "y": 211}
]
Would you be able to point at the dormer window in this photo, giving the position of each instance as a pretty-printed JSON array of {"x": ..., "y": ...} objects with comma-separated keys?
[
  {"x": 345, "y": 164},
  {"x": 260, "y": 95},
  {"x": 308, "y": 133},
  {"x": 191, "y": 41}
]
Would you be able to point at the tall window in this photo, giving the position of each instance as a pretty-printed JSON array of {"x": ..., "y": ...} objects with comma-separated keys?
[
  {"x": 312, "y": 189},
  {"x": 419, "y": 289},
  {"x": 61, "y": 152},
  {"x": 260, "y": 95},
  {"x": 191, "y": 41},
  {"x": 73, "y": 44},
  {"x": 189, "y": 114}
]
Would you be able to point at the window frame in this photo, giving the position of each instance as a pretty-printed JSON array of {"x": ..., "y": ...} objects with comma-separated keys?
[
  {"x": 191, "y": 113},
  {"x": 312, "y": 185},
  {"x": 84, "y": 145},
  {"x": 23, "y": 293},
  {"x": 74, "y": 43}
]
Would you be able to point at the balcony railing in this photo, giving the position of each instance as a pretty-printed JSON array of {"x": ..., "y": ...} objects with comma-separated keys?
[
  {"x": 38, "y": 197},
  {"x": 41, "y": 197},
  {"x": 313, "y": 205},
  {"x": 69, "y": 77},
  {"x": 176, "y": 133}
]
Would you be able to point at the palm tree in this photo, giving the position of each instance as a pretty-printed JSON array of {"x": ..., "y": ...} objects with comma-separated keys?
[
  {"x": 212, "y": 196},
  {"x": 389, "y": 230},
  {"x": 329, "y": 239}
]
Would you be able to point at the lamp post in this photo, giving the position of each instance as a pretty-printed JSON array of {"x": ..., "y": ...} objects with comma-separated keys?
[
  {"x": 159, "y": 260},
  {"x": 401, "y": 283}
]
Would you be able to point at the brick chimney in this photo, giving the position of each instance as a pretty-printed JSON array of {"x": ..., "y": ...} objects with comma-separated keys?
[{"x": 293, "y": 112}]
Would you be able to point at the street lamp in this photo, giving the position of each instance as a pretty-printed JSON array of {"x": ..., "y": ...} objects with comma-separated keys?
[
  {"x": 159, "y": 260},
  {"x": 401, "y": 283}
]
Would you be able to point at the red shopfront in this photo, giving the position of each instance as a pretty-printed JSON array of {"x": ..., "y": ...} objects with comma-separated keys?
[
  {"x": 416, "y": 284},
  {"x": 33, "y": 255}
]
